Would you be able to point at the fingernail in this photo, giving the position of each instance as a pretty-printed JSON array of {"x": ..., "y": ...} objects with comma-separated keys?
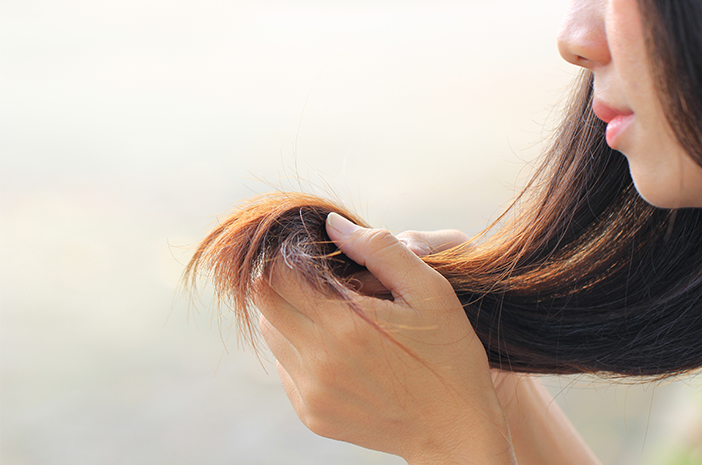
[{"x": 341, "y": 224}]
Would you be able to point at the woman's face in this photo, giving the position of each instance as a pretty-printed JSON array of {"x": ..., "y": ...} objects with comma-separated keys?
[{"x": 606, "y": 37}]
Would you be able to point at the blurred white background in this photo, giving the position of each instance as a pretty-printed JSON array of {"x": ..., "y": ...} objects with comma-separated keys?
[{"x": 128, "y": 126}]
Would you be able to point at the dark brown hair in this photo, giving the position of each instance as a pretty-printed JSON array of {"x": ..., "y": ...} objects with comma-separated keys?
[
  {"x": 673, "y": 34},
  {"x": 585, "y": 277}
]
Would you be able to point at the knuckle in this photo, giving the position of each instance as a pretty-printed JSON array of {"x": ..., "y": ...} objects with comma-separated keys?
[
  {"x": 319, "y": 425},
  {"x": 410, "y": 235},
  {"x": 279, "y": 275},
  {"x": 315, "y": 401},
  {"x": 416, "y": 241},
  {"x": 436, "y": 283},
  {"x": 380, "y": 239},
  {"x": 318, "y": 414}
]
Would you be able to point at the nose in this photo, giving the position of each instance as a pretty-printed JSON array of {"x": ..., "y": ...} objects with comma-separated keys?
[{"x": 582, "y": 39}]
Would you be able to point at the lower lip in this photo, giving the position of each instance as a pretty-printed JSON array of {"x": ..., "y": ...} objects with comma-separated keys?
[{"x": 616, "y": 127}]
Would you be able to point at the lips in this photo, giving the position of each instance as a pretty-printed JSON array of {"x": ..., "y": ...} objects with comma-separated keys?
[{"x": 618, "y": 120}]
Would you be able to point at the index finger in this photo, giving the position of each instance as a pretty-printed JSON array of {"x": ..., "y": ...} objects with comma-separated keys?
[{"x": 395, "y": 266}]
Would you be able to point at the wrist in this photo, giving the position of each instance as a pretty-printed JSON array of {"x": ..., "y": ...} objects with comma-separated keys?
[
  {"x": 480, "y": 438},
  {"x": 541, "y": 433}
]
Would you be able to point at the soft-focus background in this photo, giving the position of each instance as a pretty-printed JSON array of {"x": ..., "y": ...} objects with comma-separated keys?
[{"x": 127, "y": 126}]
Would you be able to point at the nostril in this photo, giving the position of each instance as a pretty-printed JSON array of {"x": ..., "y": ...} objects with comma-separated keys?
[
  {"x": 582, "y": 38},
  {"x": 567, "y": 53},
  {"x": 581, "y": 61},
  {"x": 588, "y": 49}
]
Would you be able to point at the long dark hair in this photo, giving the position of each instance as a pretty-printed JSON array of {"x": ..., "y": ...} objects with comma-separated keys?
[
  {"x": 674, "y": 42},
  {"x": 585, "y": 277}
]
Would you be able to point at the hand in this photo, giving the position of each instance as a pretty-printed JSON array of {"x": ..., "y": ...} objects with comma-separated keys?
[
  {"x": 421, "y": 243},
  {"x": 541, "y": 433},
  {"x": 408, "y": 376},
  {"x": 428, "y": 242}
]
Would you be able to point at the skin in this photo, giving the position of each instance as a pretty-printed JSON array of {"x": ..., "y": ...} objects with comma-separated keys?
[
  {"x": 541, "y": 433},
  {"x": 345, "y": 380},
  {"x": 442, "y": 404},
  {"x": 606, "y": 37}
]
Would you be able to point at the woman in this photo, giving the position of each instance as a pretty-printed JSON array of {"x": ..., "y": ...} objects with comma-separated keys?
[{"x": 606, "y": 266}]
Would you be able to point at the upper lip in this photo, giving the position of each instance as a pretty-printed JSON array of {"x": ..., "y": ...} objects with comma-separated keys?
[{"x": 607, "y": 112}]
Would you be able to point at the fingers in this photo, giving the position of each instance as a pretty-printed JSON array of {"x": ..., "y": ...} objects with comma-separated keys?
[
  {"x": 281, "y": 348},
  {"x": 289, "y": 318},
  {"x": 291, "y": 390},
  {"x": 395, "y": 266},
  {"x": 296, "y": 315},
  {"x": 421, "y": 243},
  {"x": 300, "y": 313},
  {"x": 287, "y": 358},
  {"x": 415, "y": 241},
  {"x": 427, "y": 242}
]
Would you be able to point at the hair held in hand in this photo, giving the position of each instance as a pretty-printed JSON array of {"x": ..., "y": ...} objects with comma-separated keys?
[{"x": 585, "y": 277}]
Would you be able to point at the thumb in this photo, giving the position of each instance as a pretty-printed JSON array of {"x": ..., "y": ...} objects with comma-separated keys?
[{"x": 388, "y": 259}]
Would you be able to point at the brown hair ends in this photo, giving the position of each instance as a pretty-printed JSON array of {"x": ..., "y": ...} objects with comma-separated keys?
[
  {"x": 674, "y": 41},
  {"x": 582, "y": 276},
  {"x": 587, "y": 277},
  {"x": 285, "y": 226}
]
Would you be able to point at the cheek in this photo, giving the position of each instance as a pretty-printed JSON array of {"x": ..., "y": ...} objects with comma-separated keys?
[
  {"x": 691, "y": 189},
  {"x": 627, "y": 46},
  {"x": 667, "y": 178}
]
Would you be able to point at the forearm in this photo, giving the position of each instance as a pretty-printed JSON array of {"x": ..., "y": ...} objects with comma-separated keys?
[{"x": 541, "y": 433}]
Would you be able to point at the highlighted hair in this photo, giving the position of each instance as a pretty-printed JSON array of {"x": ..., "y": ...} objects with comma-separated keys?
[{"x": 586, "y": 277}]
